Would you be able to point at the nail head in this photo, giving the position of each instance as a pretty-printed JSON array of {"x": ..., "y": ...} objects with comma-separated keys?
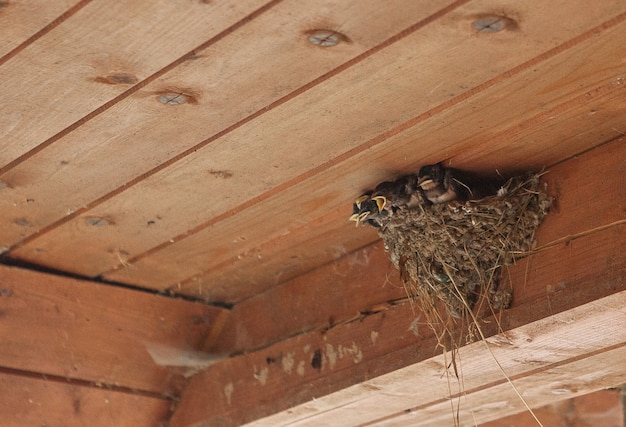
[
  {"x": 325, "y": 38},
  {"x": 493, "y": 24}
]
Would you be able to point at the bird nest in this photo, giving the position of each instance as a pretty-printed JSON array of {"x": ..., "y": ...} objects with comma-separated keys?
[{"x": 451, "y": 254}]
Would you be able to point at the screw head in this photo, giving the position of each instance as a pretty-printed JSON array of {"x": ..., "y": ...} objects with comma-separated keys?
[
  {"x": 325, "y": 38},
  {"x": 493, "y": 24}
]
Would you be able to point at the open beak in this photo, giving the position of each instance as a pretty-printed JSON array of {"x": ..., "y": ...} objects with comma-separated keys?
[
  {"x": 360, "y": 200},
  {"x": 426, "y": 182},
  {"x": 381, "y": 201}
]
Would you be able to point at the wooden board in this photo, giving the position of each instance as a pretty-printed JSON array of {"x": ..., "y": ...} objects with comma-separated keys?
[
  {"x": 552, "y": 383},
  {"x": 361, "y": 282},
  {"x": 577, "y": 262},
  {"x": 235, "y": 204},
  {"x": 233, "y": 65},
  {"x": 284, "y": 375},
  {"x": 70, "y": 74},
  {"x": 365, "y": 280},
  {"x": 329, "y": 191},
  {"x": 42, "y": 402},
  {"x": 23, "y": 22},
  {"x": 97, "y": 333}
]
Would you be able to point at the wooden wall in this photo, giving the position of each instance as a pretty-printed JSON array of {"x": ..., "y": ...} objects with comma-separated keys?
[{"x": 163, "y": 159}]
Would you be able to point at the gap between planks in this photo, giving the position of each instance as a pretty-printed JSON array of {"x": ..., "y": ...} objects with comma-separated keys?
[{"x": 205, "y": 224}]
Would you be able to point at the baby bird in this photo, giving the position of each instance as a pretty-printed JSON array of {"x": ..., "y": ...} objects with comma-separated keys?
[
  {"x": 365, "y": 210},
  {"x": 399, "y": 194},
  {"x": 440, "y": 184}
]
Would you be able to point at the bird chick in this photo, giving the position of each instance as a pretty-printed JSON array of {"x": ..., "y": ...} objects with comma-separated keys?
[
  {"x": 440, "y": 184},
  {"x": 399, "y": 194},
  {"x": 366, "y": 211}
]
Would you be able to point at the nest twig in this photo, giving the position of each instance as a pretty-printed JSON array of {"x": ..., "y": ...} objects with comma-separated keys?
[{"x": 451, "y": 254}]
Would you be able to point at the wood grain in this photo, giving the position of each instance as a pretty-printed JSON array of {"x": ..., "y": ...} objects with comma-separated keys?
[
  {"x": 41, "y": 402},
  {"x": 269, "y": 381},
  {"x": 185, "y": 199},
  {"x": 364, "y": 279},
  {"x": 95, "y": 56},
  {"x": 223, "y": 281},
  {"x": 145, "y": 136},
  {"x": 586, "y": 266},
  {"x": 360, "y": 282},
  {"x": 571, "y": 132},
  {"x": 94, "y": 332},
  {"x": 21, "y": 22},
  {"x": 240, "y": 195}
]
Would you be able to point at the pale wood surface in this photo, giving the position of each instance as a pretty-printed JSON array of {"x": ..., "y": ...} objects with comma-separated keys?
[
  {"x": 141, "y": 134},
  {"x": 300, "y": 200},
  {"x": 241, "y": 195},
  {"x": 42, "y": 402},
  {"x": 365, "y": 278},
  {"x": 327, "y": 196},
  {"x": 74, "y": 329},
  {"x": 26, "y": 19},
  {"x": 62, "y": 77},
  {"x": 576, "y": 262},
  {"x": 568, "y": 354}
]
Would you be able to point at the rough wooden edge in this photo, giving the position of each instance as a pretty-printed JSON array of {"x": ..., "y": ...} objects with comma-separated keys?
[
  {"x": 571, "y": 353},
  {"x": 581, "y": 261},
  {"x": 314, "y": 364}
]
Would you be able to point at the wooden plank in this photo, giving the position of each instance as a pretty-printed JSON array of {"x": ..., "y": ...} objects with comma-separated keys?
[
  {"x": 285, "y": 374},
  {"x": 220, "y": 285},
  {"x": 222, "y": 76},
  {"x": 22, "y": 21},
  {"x": 365, "y": 278},
  {"x": 41, "y": 402},
  {"x": 558, "y": 382},
  {"x": 329, "y": 188},
  {"x": 601, "y": 407},
  {"x": 553, "y": 383},
  {"x": 285, "y": 310},
  {"x": 95, "y": 56},
  {"x": 80, "y": 330},
  {"x": 586, "y": 266},
  {"x": 178, "y": 186}
]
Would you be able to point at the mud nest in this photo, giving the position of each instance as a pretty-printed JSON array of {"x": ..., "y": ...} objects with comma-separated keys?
[{"x": 451, "y": 254}]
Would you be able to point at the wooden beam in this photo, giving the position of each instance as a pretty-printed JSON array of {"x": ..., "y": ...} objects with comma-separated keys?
[
  {"x": 308, "y": 367},
  {"x": 108, "y": 47},
  {"x": 22, "y": 21},
  {"x": 363, "y": 281},
  {"x": 44, "y": 402},
  {"x": 317, "y": 120},
  {"x": 569, "y": 354},
  {"x": 480, "y": 129},
  {"x": 385, "y": 341},
  {"x": 92, "y": 332},
  {"x": 579, "y": 259}
]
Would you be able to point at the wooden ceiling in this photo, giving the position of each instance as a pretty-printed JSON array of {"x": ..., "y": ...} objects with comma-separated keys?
[{"x": 211, "y": 150}]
